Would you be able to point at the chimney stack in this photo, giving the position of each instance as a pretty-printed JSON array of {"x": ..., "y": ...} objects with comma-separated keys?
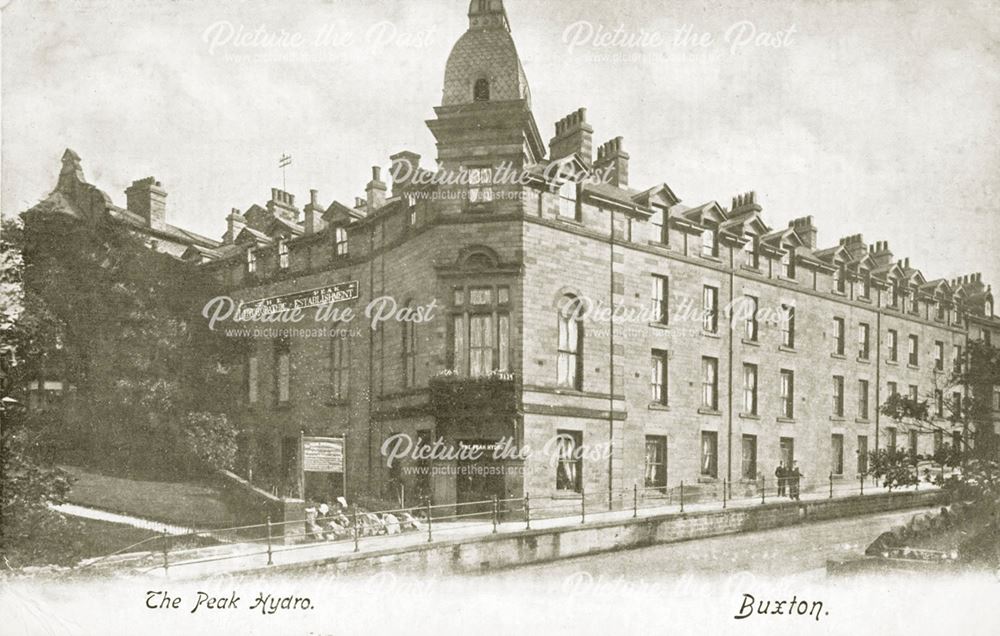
[
  {"x": 745, "y": 202},
  {"x": 405, "y": 166},
  {"x": 573, "y": 135},
  {"x": 283, "y": 204},
  {"x": 855, "y": 246},
  {"x": 148, "y": 199},
  {"x": 805, "y": 230},
  {"x": 313, "y": 214},
  {"x": 235, "y": 223},
  {"x": 375, "y": 191},
  {"x": 613, "y": 161},
  {"x": 881, "y": 253}
]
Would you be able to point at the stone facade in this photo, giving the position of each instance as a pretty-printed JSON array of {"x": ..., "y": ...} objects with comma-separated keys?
[{"x": 506, "y": 256}]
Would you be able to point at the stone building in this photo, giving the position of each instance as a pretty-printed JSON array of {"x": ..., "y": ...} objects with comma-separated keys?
[{"x": 739, "y": 345}]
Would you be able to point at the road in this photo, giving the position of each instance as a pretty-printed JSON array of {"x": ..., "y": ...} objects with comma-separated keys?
[{"x": 796, "y": 550}]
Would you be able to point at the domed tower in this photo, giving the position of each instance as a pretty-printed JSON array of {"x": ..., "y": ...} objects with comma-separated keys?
[{"x": 485, "y": 113}]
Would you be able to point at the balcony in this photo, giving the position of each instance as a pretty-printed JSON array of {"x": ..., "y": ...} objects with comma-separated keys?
[{"x": 452, "y": 395}]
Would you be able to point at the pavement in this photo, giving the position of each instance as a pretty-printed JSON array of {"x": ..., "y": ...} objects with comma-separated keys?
[{"x": 235, "y": 558}]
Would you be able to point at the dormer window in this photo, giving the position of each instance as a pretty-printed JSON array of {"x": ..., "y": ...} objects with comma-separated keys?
[
  {"x": 839, "y": 279},
  {"x": 866, "y": 284},
  {"x": 788, "y": 262},
  {"x": 751, "y": 257},
  {"x": 481, "y": 90},
  {"x": 709, "y": 242},
  {"x": 340, "y": 241},
  {"x": 567, "y": 200},
  {"x": 893, "y": 294},
  {"x": 283, "y": 254},
  {"x": 251, "y": 261}
]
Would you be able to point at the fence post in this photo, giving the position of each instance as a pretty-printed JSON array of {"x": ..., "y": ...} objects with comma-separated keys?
[
  {"x": 527, "y": 511},
  {"x": 496, "y": 513},
  {"x": 635, "y": 500},
  {"x": 583, "y": 504},
  {"x": 270, "y": 561},
  {"x": 166, "y": 550},
  {"x": 357, "y": 528},
  {"x": 861, "y": 478},
  {"x": 763, "y": 488},
  {"x": 682, "y": 495},
  {"x": 831, "y": 485},
  {"x": 723, "y": 493},
  {"x": 429, "y": 535}
]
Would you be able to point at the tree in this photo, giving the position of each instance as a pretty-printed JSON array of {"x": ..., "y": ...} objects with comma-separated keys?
[
  {"x": 134, "y": 346},
  {"x": 967, "y": 407},
  {"x": 29, "y": 483}
]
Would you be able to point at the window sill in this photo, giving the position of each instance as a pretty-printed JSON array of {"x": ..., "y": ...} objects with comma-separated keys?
[
  {"x": 787, "y": 349},
  {"x": 752, "y": 343},
  {"x": 787, "y": 279},
  {"x": 569, "y": 219},
  {"x": 838, "y": 356},
  {"x": 836, "y": 418},
  {"x": 752, "y": 269},
  {"x": 708, "y": 257},
  {"x": 837, "y": 292},
  {"x": 711, "y": 334},
  {"x": 786, "y": 420},
  {"x": 656, "y": 406},
  {"x": 864, "y": 360},
  {"x": 706, "y": 479},
  {"x": 749, "y": 416},
  {"x": 705, "y": 411},
  {"x": 894, "y": 363},
  {"x": 862, "y": 420},
  {"x": 659, "y": 325},
  {"x": 915, "y": 367}
]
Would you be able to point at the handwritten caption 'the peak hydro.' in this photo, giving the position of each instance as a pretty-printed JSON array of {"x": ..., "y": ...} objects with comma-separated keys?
[{"x": 203, "y": 601}]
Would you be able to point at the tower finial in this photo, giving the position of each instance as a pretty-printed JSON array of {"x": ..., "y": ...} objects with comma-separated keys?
[{"x": 488, "y": 14}]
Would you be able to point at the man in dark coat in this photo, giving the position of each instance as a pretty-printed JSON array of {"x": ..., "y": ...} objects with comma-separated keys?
[{"x": 780, "y": 473}]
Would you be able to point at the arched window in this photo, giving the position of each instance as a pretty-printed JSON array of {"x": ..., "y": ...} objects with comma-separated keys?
[
  {"x": 569, "y": 366},
  {"x": 481, "y": 90}
]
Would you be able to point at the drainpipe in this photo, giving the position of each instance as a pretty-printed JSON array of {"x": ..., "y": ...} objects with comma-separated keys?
[
  {"x": 611, "y": 366},
  {"x": 729, "y": 382},
  {"x": 878, "y": 366}
]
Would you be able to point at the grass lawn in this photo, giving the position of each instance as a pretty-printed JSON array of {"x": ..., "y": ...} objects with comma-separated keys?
[
  {"x": 88, "y": 538},
  {"x": 186, "y": 503}
]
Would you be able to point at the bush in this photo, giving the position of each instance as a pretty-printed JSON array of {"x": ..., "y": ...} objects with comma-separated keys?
[{"x": 210, "y": 440}]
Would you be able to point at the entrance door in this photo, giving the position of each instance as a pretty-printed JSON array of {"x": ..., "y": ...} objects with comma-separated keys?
[
  {"x": 479, "y": 480},
  {"x": 787, "y": 451}
]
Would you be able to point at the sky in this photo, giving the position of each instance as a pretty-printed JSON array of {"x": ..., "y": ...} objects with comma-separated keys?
[{"x": 874, "y": 117}]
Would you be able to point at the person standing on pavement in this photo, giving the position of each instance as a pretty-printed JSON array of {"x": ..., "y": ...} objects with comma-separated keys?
[
  {"x": 794, "y": 477},
  {"x": 781, "y": 475}
]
